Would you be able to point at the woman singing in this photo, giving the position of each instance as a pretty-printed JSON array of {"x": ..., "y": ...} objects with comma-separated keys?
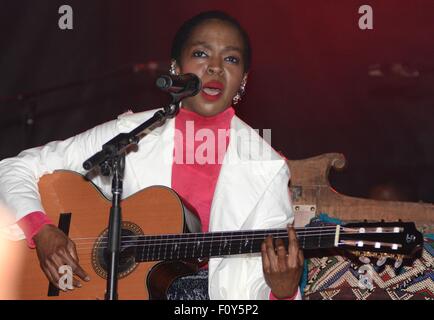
[{"x": 236, "y": 182}]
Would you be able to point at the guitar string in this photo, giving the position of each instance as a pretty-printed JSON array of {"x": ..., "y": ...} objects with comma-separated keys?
[
  {"x": 141, "y": 243},
  {"x": 193, "y": 238},
  {"x": 301, "y": 231},
  {"x": 244, "y": 232},
  {"x": 172, "y": 241},
  {"x": 170, "y": 244},
  {"x": 296, "y": 229},
  {"x": 187, "y": 251}
]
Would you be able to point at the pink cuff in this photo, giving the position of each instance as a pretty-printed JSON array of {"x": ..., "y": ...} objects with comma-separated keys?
[
  {"x": 31, "y": 224},
  {"x": 273, "y": 297}
]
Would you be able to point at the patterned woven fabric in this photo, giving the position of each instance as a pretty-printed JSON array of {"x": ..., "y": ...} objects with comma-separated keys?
[
  {"x": 341, "y": 278},
  {"x": 193, "y": 287}
]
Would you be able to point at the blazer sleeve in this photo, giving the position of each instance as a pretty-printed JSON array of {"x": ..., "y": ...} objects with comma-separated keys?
[{"x": 19, "y": 175}]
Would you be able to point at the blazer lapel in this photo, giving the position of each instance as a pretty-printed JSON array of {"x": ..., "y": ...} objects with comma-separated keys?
[
  {"x": 248, "y": 168},
  {"x": 245, "y": 175}
]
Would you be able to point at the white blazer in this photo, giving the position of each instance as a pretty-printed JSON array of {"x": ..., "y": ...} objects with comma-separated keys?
[{"x": 251, "y": 191}]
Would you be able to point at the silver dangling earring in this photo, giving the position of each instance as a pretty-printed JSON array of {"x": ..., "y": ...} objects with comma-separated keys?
[
  {"x": 241, "y": 91},
  {"x": 236, "y": 99},
  {"x": 172, "y": 69}
]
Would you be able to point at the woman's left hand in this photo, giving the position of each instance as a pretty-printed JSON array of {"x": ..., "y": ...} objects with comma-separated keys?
[{"x": 282, "y": 268}]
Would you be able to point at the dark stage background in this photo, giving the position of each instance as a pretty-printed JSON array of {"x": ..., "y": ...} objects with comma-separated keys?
[{"x": 310, "y": 81}]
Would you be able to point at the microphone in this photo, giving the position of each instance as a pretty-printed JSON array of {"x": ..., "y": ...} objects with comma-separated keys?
[{"x": 180, "y": 86}]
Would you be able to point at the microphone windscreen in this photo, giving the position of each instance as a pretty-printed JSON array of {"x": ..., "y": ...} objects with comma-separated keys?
[{"x": 164, "y": 82}]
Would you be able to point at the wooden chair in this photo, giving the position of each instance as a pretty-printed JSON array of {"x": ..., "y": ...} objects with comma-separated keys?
[{"x": 312, "y": 194}]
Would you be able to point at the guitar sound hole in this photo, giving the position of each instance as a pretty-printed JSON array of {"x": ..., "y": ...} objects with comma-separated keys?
[{"x": 127, "y": 261}]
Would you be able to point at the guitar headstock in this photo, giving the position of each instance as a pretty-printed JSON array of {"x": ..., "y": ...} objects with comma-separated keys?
[{"x": 381, "y": 239}]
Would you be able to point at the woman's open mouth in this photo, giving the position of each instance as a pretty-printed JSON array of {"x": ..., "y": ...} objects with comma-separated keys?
[{"x": 212, "y": 90}]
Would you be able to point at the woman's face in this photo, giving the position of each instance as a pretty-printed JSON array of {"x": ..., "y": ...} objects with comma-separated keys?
[{"x": 214, "y": 53}]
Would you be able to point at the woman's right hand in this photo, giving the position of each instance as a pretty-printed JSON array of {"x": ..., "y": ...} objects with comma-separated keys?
[{"x": 54, "y": 250}]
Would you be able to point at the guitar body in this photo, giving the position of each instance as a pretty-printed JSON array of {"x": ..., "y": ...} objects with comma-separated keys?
[{"x": 154, "y": 210}]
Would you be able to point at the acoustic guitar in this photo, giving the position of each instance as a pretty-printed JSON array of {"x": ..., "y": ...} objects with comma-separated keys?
[{"x": 161, "y": 239}]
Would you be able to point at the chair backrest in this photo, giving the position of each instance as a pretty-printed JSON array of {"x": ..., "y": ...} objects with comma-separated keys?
[{"x": 312, "y": 194}]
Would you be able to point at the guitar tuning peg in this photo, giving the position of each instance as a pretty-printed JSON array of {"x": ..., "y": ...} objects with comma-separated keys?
[
  {"x": 364, "y": 259},
  {"x": 398, "y": 263},
  {"x": 381, "y": 261}
]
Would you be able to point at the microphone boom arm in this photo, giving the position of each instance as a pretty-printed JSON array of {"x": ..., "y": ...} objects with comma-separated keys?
[{"x": 120, "y": 143}]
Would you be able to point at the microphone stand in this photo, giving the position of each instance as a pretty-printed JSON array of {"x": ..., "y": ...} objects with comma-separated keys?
[{"x": 111, "y": 161}]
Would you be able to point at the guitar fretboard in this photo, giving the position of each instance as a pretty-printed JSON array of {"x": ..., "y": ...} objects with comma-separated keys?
[{"x": 201, "y": 245}]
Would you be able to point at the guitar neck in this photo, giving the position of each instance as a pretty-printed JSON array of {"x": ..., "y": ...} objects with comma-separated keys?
[{"x": 213, "y": 244}]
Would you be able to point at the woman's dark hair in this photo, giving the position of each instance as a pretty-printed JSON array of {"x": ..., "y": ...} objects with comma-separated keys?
[{"x": 186, "y": 29}]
